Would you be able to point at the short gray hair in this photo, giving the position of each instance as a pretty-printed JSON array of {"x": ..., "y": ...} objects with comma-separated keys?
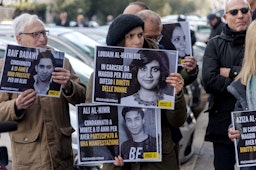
[{"x": 24, "y": 20}]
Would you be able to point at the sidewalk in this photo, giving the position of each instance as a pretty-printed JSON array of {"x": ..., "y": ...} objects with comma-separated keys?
[{"x": 203, "y": 156}]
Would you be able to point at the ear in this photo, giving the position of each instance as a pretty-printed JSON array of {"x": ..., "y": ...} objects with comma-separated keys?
[
  {"x": 18, "y": 38},
  {"x": 225, "y": 17}
]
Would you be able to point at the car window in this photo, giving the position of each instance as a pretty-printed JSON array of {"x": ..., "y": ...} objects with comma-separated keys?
[{"x": 81, "y": 41}]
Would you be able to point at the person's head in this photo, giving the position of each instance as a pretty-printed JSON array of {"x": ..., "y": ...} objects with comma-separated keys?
[
  {"x": 152, "y": 25},
  {"x": 213, "y": 19},
  {"x": 80, "y": 19},
  {"x": 126, "y": 30},
  {"x": 252, "y": 4},
  {"x": 30, "y": 31},
  {"x": 135, "y": 7},
  {"x": 63, "y": 16},
  {"x": 174, "y": 38},
  {"x": 150, "y": 71},
  {"x": 237, "y": 14},
  {"x": 249, "y": 61},
  {"x": 134, "y": 119},
  {"x": 44, "y": 66}
]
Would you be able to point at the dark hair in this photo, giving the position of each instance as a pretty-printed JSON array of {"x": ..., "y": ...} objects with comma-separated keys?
[
  {"x": 167, "y": 35},
  {"x": 140, "y": 4},
  {"x": 128, "y": 109},
  {"x": 146, "y": 57},
  {"x": 45, "y": 54}
]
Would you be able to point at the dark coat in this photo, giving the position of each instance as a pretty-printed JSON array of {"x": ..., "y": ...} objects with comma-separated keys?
[
  {"x": 217, "y": 29},
  {"x": 225, "y": 50}
]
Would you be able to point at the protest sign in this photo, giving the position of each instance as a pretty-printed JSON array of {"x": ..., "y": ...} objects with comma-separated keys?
[
  {"x": 134, "y": 77},
  {"x": 176, "y": 36},
  {"x": 30, "y": 68},
  {"x": 106, "y": 131},
  {"x": 245, "y": 145}
]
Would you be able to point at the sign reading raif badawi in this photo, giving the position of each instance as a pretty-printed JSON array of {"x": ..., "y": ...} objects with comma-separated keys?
[{"x": 30, "y": 68}]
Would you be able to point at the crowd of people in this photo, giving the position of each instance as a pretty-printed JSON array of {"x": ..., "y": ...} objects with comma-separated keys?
[{"x": 43, "y": 138}]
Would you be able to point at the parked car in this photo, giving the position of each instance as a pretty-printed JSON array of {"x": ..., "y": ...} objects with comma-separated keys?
[{"x": 64, "y": 39}]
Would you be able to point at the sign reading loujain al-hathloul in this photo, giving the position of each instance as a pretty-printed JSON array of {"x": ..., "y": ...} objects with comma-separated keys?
[
  {"x": 106, "y": 131},
  {"x": 245, "y": 145},
  {"x": 30, "y": 68},
  {"x": 134, "y": 76}
]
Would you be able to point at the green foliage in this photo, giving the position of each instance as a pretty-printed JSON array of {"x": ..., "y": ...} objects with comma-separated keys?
[{"x": 32, "y": 8}]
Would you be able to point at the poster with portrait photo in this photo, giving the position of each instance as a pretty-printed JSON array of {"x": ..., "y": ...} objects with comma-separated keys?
[
  {"x": 134, "y": 77},
  {"x": 245, "y": 145},
  {"x": 30, "y": 68},
  {"x": 176, "y": 36},
  {"x": 102, "y": 130}
]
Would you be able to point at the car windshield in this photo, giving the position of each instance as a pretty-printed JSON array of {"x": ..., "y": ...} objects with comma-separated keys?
[{"x": 81, "y": 41}]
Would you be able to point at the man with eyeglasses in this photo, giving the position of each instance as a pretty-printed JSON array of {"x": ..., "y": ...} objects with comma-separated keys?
[
  {"x": 43, "y": 138},
  {"x": 221, "y": 63}
]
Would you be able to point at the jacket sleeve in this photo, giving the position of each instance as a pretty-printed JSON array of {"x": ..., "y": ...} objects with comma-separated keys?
[
  {"x": 213, "y": 82},
  {"x": 178, "y": 116},
  {"x": 189, "y": 78},
  {"x": 78, "y": 89}
]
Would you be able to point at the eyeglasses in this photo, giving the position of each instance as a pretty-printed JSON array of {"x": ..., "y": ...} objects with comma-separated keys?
[
  {"x": 235, "y": 11},
  {"x": 156, "y": 38},
  {"x": 36, "y": 35}
]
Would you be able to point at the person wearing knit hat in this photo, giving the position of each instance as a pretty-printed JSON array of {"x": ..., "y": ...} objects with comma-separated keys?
[
  {"x": 122, "y": 25},
  {"x": 127, "y": 24},
  {"x": 127, "y": 31}
]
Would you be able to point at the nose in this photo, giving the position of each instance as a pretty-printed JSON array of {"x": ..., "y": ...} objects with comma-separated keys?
[{"x": 149, "y": 73}]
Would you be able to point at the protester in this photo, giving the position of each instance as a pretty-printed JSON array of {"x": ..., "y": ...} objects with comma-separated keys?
[
  {"x": 221, "y": 63},
  {"x": 242, "y": 87},
  {"x": 43, "y": 138},
  {"x": 216, "y": 25},
  {"x": 140, "y": 140},
  {"x": 63, "y": 20},
  {"x": 188, "y": 70},
  {"x": 80, "y": 21},
  {"x": 135, "y": 7},
  {"x": 128, "y": 29}
]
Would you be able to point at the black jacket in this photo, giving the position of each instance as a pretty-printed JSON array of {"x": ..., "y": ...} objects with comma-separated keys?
[
  {"x": 217, "y": 29},
  {"x": 225, "y": 50}
]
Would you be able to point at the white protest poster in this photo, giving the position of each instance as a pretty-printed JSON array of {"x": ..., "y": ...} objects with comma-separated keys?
[
  {"x": 134, "y": 77},
  {"x": 30, "y": 68},
  {"x": 106, "y": 131},
  {"x": 176, "y": 36},
  {"x": 245, "y": 145}
]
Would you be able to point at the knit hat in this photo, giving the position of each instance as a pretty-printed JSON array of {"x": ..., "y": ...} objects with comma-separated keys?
[{"x": 121, "y": 26}]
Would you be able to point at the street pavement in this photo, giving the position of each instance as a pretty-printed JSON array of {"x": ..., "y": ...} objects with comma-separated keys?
[{"x": 203, "y": 151}]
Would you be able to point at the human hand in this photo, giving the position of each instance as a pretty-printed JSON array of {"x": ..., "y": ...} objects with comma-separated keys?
[
  {"x": 232, "y": 134},
  {"x": 175, "y": 80},
  {"x": 119, "y": 161},
  {"x": 189, "y": 63},
  {"x": 62, "y": 76},
  {"x": 224, "y": 72},
  {"x": 25, "y": 99}
]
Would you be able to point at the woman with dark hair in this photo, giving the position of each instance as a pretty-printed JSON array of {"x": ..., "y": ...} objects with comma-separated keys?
[
  {"x": 127, "y": 31},
  {"x": 150, "y": 74}
]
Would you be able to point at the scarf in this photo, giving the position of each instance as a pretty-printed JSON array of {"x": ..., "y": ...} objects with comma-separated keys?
[{"x": 251, "y": 92}]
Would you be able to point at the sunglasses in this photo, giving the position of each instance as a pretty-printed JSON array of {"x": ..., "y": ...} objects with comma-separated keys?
[{"x": 235, "y": 11}]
